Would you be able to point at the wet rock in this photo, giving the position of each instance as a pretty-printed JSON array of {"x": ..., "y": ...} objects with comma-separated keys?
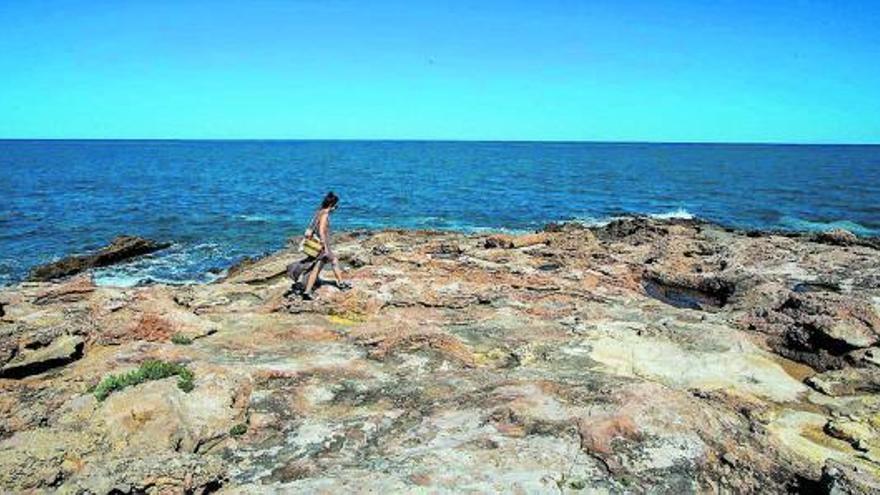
[
  {"x": 120, "y": 249},
  {"x": 637, "y": 230}
]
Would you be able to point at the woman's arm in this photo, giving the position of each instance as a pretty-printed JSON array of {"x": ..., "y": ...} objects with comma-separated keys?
[
  {"x": 324, "y": 232},
  {"x": 324, "y": 227}
]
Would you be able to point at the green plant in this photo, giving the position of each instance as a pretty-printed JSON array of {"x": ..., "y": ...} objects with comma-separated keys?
[
  {"x": 148, "y": 370},
  {"x": 185, "y": 381},
  {"x": 238, "y": 430},
  {"x": 181, "y": 339}
]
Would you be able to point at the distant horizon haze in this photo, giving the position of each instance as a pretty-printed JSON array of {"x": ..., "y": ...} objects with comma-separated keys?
[{"x": 428, "y": 140}]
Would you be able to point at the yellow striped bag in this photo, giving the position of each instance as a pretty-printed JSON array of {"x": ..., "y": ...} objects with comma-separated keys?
[{"x": 311, "y": 247}]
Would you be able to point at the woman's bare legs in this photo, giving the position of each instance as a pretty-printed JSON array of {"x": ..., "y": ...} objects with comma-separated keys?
[
  {"x": 338, "y": 274},
  {"x": 313, "y": 277}
]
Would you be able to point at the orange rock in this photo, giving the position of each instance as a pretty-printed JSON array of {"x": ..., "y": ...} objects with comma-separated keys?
[
  {"x": 598, "y": 433},
  {"x": 153, "y": 328},
  {"x": 512, "y": 242},
  {"x": 446, "y": 345}
]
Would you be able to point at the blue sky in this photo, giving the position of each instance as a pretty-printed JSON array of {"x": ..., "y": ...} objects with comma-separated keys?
[{"x": 732, "y": 71}]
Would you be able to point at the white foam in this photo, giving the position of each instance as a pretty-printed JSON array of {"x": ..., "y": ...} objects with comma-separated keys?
[
  {"x": 266, "y": 218},
  {"x": 110, "y": 279},
  {"x": 591, "y": 221},
  {"x": 115, "y": 279},
  {"x": 500, "y": 230},
  {"x": 175, "y": 266},
  {"x": 254, "y": 218},
  {"x": 680, "y": 213}
]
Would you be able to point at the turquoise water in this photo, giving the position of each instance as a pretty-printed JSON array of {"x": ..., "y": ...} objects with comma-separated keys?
[{"x": 219, "y": 201}]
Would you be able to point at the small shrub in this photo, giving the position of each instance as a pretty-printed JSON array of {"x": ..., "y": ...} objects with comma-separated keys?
[
  {"x": 185, "y": 381},
  {"x": 149, "y": 370},
  {"x": 181, "y": 339},
  {"x": 238, "y": 430}
]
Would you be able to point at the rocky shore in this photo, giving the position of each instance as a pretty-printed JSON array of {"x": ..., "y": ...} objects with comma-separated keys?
[{"x": 643, "y": 356}]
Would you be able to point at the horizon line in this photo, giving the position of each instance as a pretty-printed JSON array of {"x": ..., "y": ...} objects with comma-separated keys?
[{"x": 431, "y": 140}]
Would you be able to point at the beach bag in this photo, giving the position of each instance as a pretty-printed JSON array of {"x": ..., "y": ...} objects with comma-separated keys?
[
  {"x": 311, "y": 244},
  {"x": 311, "y": 247}
]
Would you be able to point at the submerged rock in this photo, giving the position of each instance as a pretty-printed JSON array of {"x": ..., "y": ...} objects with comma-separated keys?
[{"x": 120, "y": 249}]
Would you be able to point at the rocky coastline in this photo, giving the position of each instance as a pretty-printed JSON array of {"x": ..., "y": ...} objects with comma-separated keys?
[{"x": 643, "y": 356}]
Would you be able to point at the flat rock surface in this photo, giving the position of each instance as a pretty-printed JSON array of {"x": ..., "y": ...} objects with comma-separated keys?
[{"x": 643, "y": 356}]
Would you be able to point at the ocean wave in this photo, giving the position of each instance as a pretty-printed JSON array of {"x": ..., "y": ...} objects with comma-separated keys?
[
  {"x": 501, "y": 230},
  {"x": 115, "y": 279},
  {"x": 592, "y": 221},
  {"x": 178, "y": 265},
  {"x": 680, "y": 214}
]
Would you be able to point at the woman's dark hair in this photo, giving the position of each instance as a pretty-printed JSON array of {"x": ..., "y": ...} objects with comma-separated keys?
[{"x": 330, "y": 200}]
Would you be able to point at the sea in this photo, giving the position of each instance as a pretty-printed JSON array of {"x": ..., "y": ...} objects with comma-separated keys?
[{"x": 220, "y": 201}]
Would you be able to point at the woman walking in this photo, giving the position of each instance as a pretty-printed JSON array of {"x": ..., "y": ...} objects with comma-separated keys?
[{"x": 316, "y": 246}]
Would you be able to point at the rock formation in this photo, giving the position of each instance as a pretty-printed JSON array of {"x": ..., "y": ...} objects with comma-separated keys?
[
  {"x": 644, "y": 356},
  {"x": 120, "y": 249}
]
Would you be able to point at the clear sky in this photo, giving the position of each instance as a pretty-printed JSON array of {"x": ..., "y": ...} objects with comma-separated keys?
[{"x": 746, "y": 70}]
